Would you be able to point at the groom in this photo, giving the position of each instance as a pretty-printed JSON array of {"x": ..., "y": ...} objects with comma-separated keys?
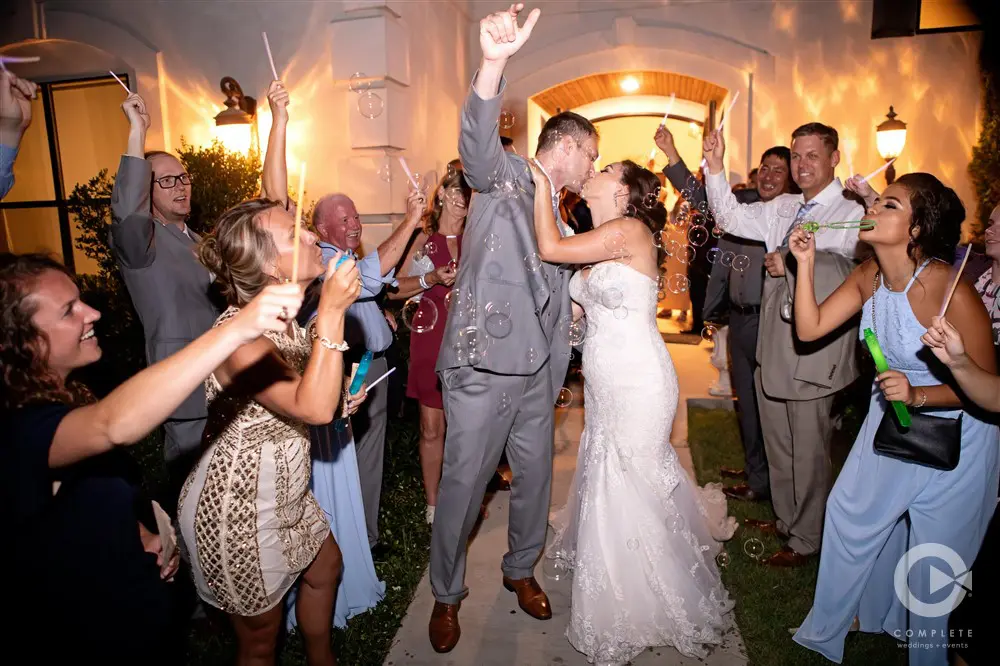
[{"x": 506, "y": 345}]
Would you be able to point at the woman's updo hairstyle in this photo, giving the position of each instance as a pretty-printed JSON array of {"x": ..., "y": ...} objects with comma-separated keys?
[
  {"x": 238, "y": 251},
  {"x": 644, "y": 198},
  {"x": 938, "y": 214}
]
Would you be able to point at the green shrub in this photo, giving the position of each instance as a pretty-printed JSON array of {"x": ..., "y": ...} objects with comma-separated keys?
[{"x": 984, "y": 169}]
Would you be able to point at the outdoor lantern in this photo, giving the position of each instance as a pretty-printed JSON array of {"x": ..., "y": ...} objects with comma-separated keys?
[
  {"x": 234, "y": 126},
  {"x": 890, "y": 137}
]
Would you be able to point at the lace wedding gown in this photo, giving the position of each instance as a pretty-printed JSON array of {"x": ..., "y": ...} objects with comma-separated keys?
[{"x": 639, "y": 536}]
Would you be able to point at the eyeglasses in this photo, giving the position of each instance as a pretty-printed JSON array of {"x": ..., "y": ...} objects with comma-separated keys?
[{"x": 170, "y": 182}]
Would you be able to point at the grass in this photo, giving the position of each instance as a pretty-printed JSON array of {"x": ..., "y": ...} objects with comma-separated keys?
[{"x": 768, "y": 600}]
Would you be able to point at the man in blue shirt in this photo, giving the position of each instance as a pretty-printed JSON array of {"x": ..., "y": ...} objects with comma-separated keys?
[
  {"x": 338, "y": 224},
  {"x": 15, "y": 116}
]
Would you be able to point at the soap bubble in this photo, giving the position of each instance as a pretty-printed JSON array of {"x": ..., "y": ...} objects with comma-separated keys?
[
  {"x": 678, "y": 284},
  {"x": 492, "y": 242},
  {"x": 754, "y": 548},
  {"x": 755, "y": 210},
  {"x": 384, "y": 170},
  {"x": 722, "y": 559},
  {"x": 713, "y": 255},
  {"x": 727, "y": 259},
  {"x": 651, "y": 199},
  {"x": 788, "y": 209},
  {"x": 697, "y": 236},
  {"x": 555, "y": 569},
  {"x": 532, "y": 355},
  {"x": 420, "y": 314},
  {"x": 620, "y": 313},
  {"x": 661, "y": 239},
  {"x": 708, "y": 333},
  {"x": 741, "y": 262},
  {"x": 494, "y": 270},
  {"x": 632, "y": 544},
  {"x": 686, "y": 254},
  {"x": 614, "y": 242},
  {"x": 359, "y": 82},
  {"x": 532, "y": 262},
  {"x": 503, "y": 405},
  {"x": 676, "y": 523},
  {"x": 498, "y": 323},
  {"x": 565, "y": 398},
  {"x": 612, "y": 297},
  {"x": 718, "y": 231},
  {"x": 507, "y": 120},
  {"x": 370, "y": 104},
  {"x": 573, "y": 331}
]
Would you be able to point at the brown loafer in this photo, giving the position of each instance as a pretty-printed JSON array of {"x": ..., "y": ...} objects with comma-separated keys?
[
  {"x": 530, "y": 597},
  {"x": 444, "y": 630},
  {"x": 787, "y": 558},
  {"x": 745, "y": 493},
  {"x": 765, "y": 526},
  {"x": 733, "y": 473}
]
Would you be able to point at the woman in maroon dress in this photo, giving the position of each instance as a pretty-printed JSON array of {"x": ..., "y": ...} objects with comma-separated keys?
[{"x": 430, "y": 268}]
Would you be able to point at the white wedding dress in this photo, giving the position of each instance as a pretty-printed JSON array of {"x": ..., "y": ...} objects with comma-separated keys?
[{"x": 638, "y": 535}]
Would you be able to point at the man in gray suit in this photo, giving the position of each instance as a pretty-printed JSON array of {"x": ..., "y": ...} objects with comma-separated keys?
[
  {"x": 169, "y": 287},
  {"x": 506, "y": 347}
]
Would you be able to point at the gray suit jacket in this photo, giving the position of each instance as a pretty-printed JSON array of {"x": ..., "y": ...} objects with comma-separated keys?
[
  {"x": 168, "y": 286},
  {"x": 520, "y": 306},
  {"x": 795, "y": 370}
]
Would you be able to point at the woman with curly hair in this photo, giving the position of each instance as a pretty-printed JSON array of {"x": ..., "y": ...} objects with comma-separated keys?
[
  {"x": 886, "y": 501},
  {"x": 83, "y": 548}
]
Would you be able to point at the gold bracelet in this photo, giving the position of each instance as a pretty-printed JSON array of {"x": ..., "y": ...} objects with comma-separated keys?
[
  {"x": 329, "y": 344},
  {"x": 923, "y": 399}
]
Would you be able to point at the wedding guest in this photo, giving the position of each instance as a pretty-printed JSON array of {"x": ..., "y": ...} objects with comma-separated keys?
[
  {"x": 249, "y": 523},
  {"x": 796, "y": 383},
  {"x": 86, "y": 557},
  {"x": 988, "y": 284},
  {"x": 154, "y": 247},
  {"x": 430, "y": 271},
  {"x": 15, "y": 116},
  {"x": 914, "y": 228},
  {"x": 334, "y": 481}
]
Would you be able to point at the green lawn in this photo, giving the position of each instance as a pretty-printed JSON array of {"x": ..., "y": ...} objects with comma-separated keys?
[{"x": 769, "y": 601}]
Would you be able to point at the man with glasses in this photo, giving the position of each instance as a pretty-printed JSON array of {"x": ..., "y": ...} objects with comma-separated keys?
[{"x": 155, "y": 250}]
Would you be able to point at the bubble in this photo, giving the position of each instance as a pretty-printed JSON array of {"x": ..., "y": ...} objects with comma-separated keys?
[
  {"x": 419, "y": 254},
  {"x": 678, "y": 284},
  {"x": 697, "y": 236},
  {"x": 507, "y": 120},
  {"x": 741, "y": 262},
  {"x": 509, "y": 189},
  {"x": 370, "y": 104},
  {"x": 453, "y": 265},
  {"x": 722, "y": 559},
  {"x": 673, "y": 249},
  {"x": 614, "y": 242},
  {"x": 727, "y": 259},
  {"x": 565, "y": 398},
  {"x": 788, "y": 209},
  {"x": 419, "y": 179},
  {"x": 554, "y": 569},
  {"x": 612, "y": 297},
  {"x": 713, "y": 255},
  {"x": 660, "y": 239},
  {"x": 384, "y": 170},
  {"x": 676, "y": 523},
  {"x": 755, "y": 210},
  {"x": 632, "y": 544},
  {"x": 472, "y": 343},
  {"x": 686, "y": 254},
  {"x": 620, "y": 313},
  {"x": 492, "y": 242},
  {"x": 703, "y": 208},
  {"x": 430, "y": 247},
  {"x": 532, "y": 262},
  {"x": 503, "y": 404},
  {"x": 754, "y": 548},
  {"x": 532, "y": 355},
  {"x": 420, "y": 315},
  {"x": 660, "y": 295},
  {"x": 573, "y": 331},
  {"x": 498, "y": 323},
  {"x": 447, "y": 300},
  {"x": 718, "y": 231},
  {"x": 708, "y": 333},
  {"x": 494, "y": 270},
  {"x": 359, "y": 82}
]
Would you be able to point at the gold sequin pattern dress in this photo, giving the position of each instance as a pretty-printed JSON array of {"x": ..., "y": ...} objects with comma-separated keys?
[{"x": 249, "y": 523}]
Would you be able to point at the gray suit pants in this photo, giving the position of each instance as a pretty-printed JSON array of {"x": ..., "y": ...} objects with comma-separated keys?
[
  {"x": 797, "y": 436},
  {"x": 743, "y": 356},
  {"x": 368, "y": 426},
  {"x": 487, "y": 412}
]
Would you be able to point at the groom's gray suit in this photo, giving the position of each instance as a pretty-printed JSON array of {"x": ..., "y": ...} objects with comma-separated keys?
[{"x": 501, "y": 392}]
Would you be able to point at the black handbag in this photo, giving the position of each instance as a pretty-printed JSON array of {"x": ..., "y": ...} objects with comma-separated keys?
[{"x": 931, "y": 441}]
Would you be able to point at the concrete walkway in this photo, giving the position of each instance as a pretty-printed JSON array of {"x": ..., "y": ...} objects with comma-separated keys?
[{"x": 495, "y": 632}]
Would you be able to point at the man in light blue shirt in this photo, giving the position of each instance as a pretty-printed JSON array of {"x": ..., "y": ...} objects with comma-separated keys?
[
  {"x": 15, "y": 116},
  {"x": 338, "y": 224}
]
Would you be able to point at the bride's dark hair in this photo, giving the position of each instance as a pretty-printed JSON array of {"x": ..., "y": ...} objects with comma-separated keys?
[{"x": 644, "y": 199}]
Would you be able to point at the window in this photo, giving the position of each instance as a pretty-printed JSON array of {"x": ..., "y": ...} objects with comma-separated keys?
[{"x": 77, "y": 129}]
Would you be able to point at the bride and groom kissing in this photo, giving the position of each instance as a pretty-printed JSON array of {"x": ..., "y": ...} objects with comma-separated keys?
[{"x": 638, "y": 534}]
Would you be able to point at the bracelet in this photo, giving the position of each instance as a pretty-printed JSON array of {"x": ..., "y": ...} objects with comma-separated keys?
[
  {"x": 329, "y": 344},
  {"x": 923, "y": 399},
  {"x": 423, "y": 283}
]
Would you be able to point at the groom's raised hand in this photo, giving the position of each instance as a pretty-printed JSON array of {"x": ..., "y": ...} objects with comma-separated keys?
[{"x": 501, "y": 37}]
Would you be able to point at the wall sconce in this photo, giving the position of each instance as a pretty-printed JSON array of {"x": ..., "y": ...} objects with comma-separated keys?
[
  {"x": 890, "y": 137},
  {"x": 235, "y": 127},
  {"x": 629, "y": 84}
]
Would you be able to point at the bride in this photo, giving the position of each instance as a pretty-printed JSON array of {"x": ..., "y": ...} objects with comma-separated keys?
[{"x": 639, "y": 535}]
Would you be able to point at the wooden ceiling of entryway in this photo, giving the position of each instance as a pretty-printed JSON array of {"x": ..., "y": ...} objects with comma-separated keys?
[{"x": 587, "y": 89}]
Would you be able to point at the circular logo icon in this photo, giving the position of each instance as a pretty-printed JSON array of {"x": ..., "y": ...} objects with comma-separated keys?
[{"x": 960, "y": 579}]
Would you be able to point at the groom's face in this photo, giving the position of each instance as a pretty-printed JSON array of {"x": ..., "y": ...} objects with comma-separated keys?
[{"x": 579, "y": 164}]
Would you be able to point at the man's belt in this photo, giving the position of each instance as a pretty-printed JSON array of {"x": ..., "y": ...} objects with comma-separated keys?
[{"x": 745, "y": 309}]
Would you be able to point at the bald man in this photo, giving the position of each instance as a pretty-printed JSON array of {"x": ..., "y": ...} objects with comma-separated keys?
[{"x": 338, "y": 224}]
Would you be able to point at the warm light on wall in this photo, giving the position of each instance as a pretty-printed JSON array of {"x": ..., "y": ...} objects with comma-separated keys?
[
  {"x": 630, "y": 84},
  {"x": 234, "y": 126},
  {"x": 236, "y": 138}
]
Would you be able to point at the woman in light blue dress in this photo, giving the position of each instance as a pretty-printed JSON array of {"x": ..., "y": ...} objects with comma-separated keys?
[{"x": 880, "y": 507}]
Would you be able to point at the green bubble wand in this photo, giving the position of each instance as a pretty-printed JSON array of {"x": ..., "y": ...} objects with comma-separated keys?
[
  {"x": 863, "y": 225},
  {"x": 902, "y": 414}
]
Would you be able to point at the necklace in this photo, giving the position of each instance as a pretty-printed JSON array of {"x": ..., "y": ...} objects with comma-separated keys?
[{"x": 451, "y": 235}]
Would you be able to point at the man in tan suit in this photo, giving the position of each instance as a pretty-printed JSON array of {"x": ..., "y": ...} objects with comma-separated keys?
[{"x": 796, "y": 382}]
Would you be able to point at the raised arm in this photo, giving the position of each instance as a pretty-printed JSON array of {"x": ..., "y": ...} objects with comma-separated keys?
[
  {"x": 15, "y": 116},
  {"x": 391, "y": 250},
  {"x": 676, "y": 171},
  {"x": 274, "y": 181},
  {"x": 313, "y": 396},
  {"x": 735, "y": 218},
  {"x": 813, "y": 320},
  {"x": 131, "y": 233},
  {"x": 982, "y": 387},
  {"x": 143, "y": 402}
]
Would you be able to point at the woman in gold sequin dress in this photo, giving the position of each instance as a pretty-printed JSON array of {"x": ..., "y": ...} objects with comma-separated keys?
[{"x": 249, "y": 523}]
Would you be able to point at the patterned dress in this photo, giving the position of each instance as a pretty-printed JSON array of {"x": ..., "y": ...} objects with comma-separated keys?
[
  {"x": 989, "y": 290},
  {"x": 249, "y": 523}
]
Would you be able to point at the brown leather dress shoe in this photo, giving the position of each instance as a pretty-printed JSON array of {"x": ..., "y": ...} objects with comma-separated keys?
[
  {"x": 786, "y": 557},
  {"x": 733, "y": 473},
  {"x": 745, "y": 493},
  {"x": 444, "y": 630},
  {"x": 765, "y": 526},
  {"x": 530, "y": 597}
]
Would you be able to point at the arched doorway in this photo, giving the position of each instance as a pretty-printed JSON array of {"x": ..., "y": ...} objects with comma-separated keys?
[{"x": 77, "y": 129}]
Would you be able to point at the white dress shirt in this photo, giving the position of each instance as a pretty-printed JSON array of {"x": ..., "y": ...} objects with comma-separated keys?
[
  {"x": 564, "y": 229},
  {"x": 770, "y": 221}
]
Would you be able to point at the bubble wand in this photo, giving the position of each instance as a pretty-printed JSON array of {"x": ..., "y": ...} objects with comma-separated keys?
[
  {"x": 666, "y": 117},
  {"x": 878, "y": 170},
  {"x": 4, "y": 59},
  {"x": 270, "y": 59},
  {"x": 120, "y": 82},
  {"x": 864, "y": 225},
  {"x": 954, "y": 284},
  {"x": 298, "y": 226},
  {"x": 902, "y": 414},
  {"x": 409, "y": 174}
]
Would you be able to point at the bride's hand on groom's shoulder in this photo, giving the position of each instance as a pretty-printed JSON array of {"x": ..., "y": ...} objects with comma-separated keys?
[
  {"x": 499, "y": 34},
  {"x": 538, "y": 176}
]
